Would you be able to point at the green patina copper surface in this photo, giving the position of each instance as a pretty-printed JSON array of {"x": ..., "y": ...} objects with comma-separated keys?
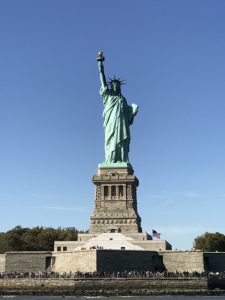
[{"x": 117, "y": 117}]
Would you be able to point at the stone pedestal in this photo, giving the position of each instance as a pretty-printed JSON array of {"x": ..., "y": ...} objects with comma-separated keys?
[{"x": 115, "y": 200}]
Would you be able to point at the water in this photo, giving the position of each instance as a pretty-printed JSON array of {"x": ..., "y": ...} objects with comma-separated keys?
[{"x": 113, "y": 298}]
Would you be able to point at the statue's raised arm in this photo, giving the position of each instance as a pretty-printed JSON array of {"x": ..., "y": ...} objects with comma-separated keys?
[{"x": 100, "y": 59}]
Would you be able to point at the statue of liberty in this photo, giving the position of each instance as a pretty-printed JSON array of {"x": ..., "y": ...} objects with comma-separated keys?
[{"x": 117, "y": 116}]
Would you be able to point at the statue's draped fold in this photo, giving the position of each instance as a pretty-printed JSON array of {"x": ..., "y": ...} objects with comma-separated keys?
[{"x": 117, "y": 117}]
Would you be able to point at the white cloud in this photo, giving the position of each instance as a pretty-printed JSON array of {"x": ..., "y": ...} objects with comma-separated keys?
[{"x": 72, "y": 209}]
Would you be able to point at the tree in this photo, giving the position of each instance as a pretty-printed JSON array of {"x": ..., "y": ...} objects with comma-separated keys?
[
  {"x": 14, "y": 238},
  {"x": 210, "y": 242},
  {"x": 3, "y": 242},
  {"x": 35, "y": 239}
]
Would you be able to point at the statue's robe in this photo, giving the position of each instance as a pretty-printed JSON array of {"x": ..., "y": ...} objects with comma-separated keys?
[{"x": 117, "y": 115}]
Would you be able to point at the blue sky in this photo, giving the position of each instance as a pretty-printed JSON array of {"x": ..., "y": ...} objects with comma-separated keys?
[{"x": 171, "y": 55}]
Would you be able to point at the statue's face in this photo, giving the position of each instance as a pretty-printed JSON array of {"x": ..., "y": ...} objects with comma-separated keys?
[{"x": 115, "y": 86}]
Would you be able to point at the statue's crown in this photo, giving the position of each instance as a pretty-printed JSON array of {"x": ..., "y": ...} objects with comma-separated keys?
[{"x": 118, "y": 80}]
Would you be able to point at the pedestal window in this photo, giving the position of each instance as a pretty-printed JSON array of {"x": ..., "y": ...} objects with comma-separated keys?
[
  {"x": 120, "y": 190},
  {"x": 106, "y": 191},
  {"x": 113, "y": 191}
]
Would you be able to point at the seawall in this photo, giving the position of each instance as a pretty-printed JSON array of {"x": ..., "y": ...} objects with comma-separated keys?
[{"x": 111, "y": 286}]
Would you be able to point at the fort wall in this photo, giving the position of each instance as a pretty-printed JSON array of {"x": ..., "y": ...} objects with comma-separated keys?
[
  {"x": 83, "y": 261},
  {"x": 214, "y": 261},
  {"x": 117, "y": 260},
  {"x": 106, "y": 260},
  {"x": 28, "y": 261},
  {"x": 92, "y": 260},
  {"x": 2, "y": 262},
  {"x": 183, "y": 261}
]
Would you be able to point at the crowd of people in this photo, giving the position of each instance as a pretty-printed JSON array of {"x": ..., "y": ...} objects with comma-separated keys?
[{"x": 124, "y": 274}]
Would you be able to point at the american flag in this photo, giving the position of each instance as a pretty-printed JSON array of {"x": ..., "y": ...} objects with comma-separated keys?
[{"x": 156, "y": 234}]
